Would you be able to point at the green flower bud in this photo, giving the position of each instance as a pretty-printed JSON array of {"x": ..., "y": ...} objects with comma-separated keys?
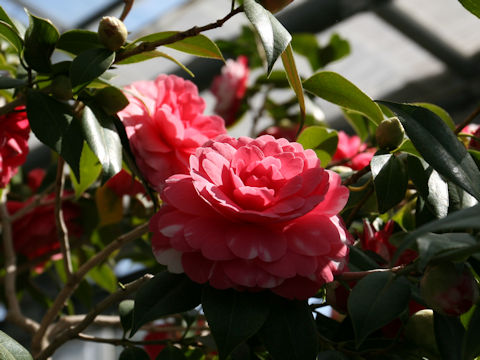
[
  {"x": 419, "y": 330},
  {"x": 390, "y": 134},
  {"x": 275, "y": 5},
  {"x": 62, "y": 87},
  {"x": 112, "y": 32}
]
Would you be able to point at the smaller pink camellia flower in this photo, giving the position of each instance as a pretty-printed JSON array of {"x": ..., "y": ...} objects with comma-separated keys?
[
  {"x": 124, "y": 183},
  {"x": 165, "y": 124},
  {"x": 254, "y": 214},
  {"x": 474, "y": 143},
  {"x": 229, "y": 88},
  {"x": 14, "y": 133},
  {"x": 352, "y": 152}
]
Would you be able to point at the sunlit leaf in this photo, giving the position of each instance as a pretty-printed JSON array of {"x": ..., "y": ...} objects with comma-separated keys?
[
  {"x": 12, "y": 350},
  {"x": 77, "y": 41},
  {"x": 8, "y": 33},
  {"x": 90, "y": 169},
  {"x": 152, "y": 55},
  {"x": 293, "y": 78}
]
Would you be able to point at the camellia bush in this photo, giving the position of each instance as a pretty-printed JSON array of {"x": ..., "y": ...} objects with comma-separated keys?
[{"x": 295, "y": 241}]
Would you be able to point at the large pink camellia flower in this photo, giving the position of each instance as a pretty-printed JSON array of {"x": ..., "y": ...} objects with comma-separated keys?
[
  {"x": 165, "y": 124},
  {"x": 253, "y": 214},
  {"x": 352, "y": 152},
  {"x": 229, "y": 88},
  {"x": 14, "y": 132}
]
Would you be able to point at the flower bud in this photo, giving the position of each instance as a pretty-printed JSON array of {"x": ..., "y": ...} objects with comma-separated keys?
[
  {"x": 389, "y": 134},
  {"x": 448, "y": 288},
  {"x": 419, "y": 330},
  {"x": 112, "y": 32},
  {"x": 62, "y": 87},
  {"x": 275, "y": 5}
]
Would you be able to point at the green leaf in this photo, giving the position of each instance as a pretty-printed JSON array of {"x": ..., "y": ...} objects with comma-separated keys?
[
  {"x": 90, "y": 169},
  {"x": 358, "y": 122},
  {"x": 439, "y": 146},
  {"x": 306, "y": 44},
  {"x": 133, "y": 353},
  {"x": 125, "y": 310},
  {"x": 290, "y": 332},
  {"x": 323, "y": 140},
  {"x": 102, "y": 137},
  {"x": 338, "y": 90},
  {"x": 164, "y": 294},
  {"x": 151, "y": 55},
  {"x": 471, "y": 5},
  {"x": 171, "y": 353},
  {"x": 9, "y": 83},
  {"x": 104, "y": 277},
  {"x": 390, "y": 179},
  {"x": 233, "y": 316},
  {"x": 331, "y": 355},
  {"x": 294, "y": 79},
  {"x": 89, "y": 65},
  {"x": 53, "y": 124},
  {"x": 78, "y": 41},
  {"x": 336, "y": 49},
  {"x": 449, "y": 333},
  {"x": 5, "y": 18},
  {"x": 12, "y": 350},
  {"x": 432, "y": 188},
  {"x": 8, "y": 33},
  {"x": 111, "y": 99},
  {"x": 441, "y": 113},
  {"x": 274, "y": 37},
  {"x": 40, "y": 39},
  {"x": 376, "y": 300},
  {"x": 471, "y": 345}
]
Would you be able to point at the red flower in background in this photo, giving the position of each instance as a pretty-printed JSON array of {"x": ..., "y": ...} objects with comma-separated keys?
[
  {"x": 352, "y": 152},
  {"x": 229, "y": 88},
  {"x": 14, "y": 133},
  {"x": 124, "y": 183}
]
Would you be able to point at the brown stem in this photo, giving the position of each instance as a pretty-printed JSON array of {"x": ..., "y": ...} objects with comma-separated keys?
[
  {"x": 126, "y": 9},
  {"x": 121, "y": 342},
  {"x": 5, "y": 109},
  {"x": 468, "y": 120},
  {"x": 357, "y": 207},
  {"x": 14, "y": 312},
  {"x": 77, "y": 277},
  {"x": 194, "y": 31},
  {"x": 355, "y": 177}
]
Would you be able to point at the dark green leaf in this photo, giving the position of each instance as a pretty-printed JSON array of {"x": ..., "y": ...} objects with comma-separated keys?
[
  {"x": 8, "y": 33},
  {"x": 430, "y": 185},
  {"x": 471, "y": 5},
  {"x": 53, "y": 124},
  {"x": 336, "y": 49},
  {"x": 9, "y": 83},
  {"x": 12, "y": 350},
  {"x": 133, "y": 353},
  {"x": 40, "y": 39},
  {"x": 233, "y": 316},
  {"x": 323, "y": 140},
  {"x": 164, "y": 294},
  {"x": 274, "y": 37},
  {"x": 171, "y": 353},
  {"x": 390, "y": 178},
  {"x": 89, "y": 65},
  {"x": 338, "y": 90},
  {"x": 78, "y": 41},
  {"x": 376, "y": 300},
  {"x": 294, "y": 79},
  {"x": 125, "y": 310},
  {"x": 439, "y": 146},
  {"x": 471, "y": 345},
  {"x": 111, "y": 99},
  {"x": 102, "y": 137},
  {"x": 441, "y": 113},
  {"x": 151, "y": 55},
  {"x": 331, "y": 355},
  {"x": 290, "y": 332},
  {"x": 90, "y": 169},
  {"x": 449, "y": 334},
  {"x": 306, "y": 44},
  {"x": 5, "y": 18}
]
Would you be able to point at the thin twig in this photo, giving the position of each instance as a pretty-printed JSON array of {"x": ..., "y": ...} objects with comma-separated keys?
[
  {"x": 357, "y": 207},
  {"x": 357, "y": 275},
  {"x": 126, "y": 9},
  {"x": 5, "y": 109},
  {"x": 121, "y": 342},
  {"x": 355, "y": 177},
  {"x": 62, "y": 231},
  {"x": 194, "y": 31},
  {"x": 14, "y": 312},
  {"x": 71, "y": 333},
  {"x": 468, "y": 120}
]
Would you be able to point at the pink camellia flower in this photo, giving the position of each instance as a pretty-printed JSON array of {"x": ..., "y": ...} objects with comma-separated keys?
[
  {"x": 14, "y": 132},
  {"x": 229, "y": 88},
  {"x": 351, "y": 150},
  {"x": 253, "y": 214},
  {"x": 165, "y": 124}
]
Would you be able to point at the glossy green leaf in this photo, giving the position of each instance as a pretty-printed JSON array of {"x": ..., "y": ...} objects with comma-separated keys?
[
  {"x": 102, "y": 137},
  {"x": 5, "y": 18},
  {"x": 306, "y": 44},
  {"x": 134, "y": 353},
  {"x": 439, "y": 146},
  {"x": 331, "y": 355},
  {"x": 40, "y": 39},
  {"x": 359, "y": 123},
  {"x": 11, "y": 83},
  {"x": 471, "y": 5},
  {"x": 90, "y": 169},
  {"x": 125, "y": 310},
  {"x": 408, "y": 147},
  {"x": 89, "y": 65},
  {"x": 322, "y": 140},
  {"x": 12, "y": 350},
  {"x": 154, "y": 54},
  {"x": 274, "y": 37},
  {"x": 441, "y": 113},
  {"x": 78, "y": 41},
  {"x": 53, "y": 124},
  {"x": 233, "y": 316},
  {"x": 164, "y": 294},
  {"x": 338, "y": 90},
  {"x": 290, "y": 332},
  {"x": 8, "y": 33},
  {"x": 471, "y": 345},
  {"x": 294, "y": 79},
  {"x": 430, "y": 185},
  {"x": 376, "y": 300},
  {"x": 449, "y": 334},
  {"x": 171, "y": 353},
  {"x": 390, "y": 179},
  {"x": 111, "y": 99}
]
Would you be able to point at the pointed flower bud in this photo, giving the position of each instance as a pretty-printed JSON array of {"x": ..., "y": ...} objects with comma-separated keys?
[
  {"x": 390, "y": 134},
  {"x": 112, "y": 32}
]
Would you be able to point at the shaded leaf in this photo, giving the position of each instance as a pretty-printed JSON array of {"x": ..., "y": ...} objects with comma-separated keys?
[
  {"x": 338, "y": 90},
  {"x": 78, "y": 41},
  {"x": 133, "y": 353},
  {"x": 12, "y": 350},
  {"x": 233, "y": 316},
  {"x": 322, "y": 140},
  {"x": 104, "y": 277},
  {"x": 306, "y": 44},
  {"x": 449, "y": 334},
  {"x": 171, "y": 353},
  {"x": 109, "y": 205},
  {"x": 125, "y": 310},
  {"x": 358, "y": 122},
  {"x": 293, "y": 78},
  {"x": 154, "y": 54},
  {"x": 331, "y": 355},
  {"x": 89, "y": 65},
  {"x": 9, "y": 83},
  {"x": 111, "y": 99},
  {"x": 441, "y": 113},
  {"x": 471, "y": 345},
  {"x": 8, "y": 33},
  {"x": 274, "y": 37},
  {"x": 90, "y": 169}
]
